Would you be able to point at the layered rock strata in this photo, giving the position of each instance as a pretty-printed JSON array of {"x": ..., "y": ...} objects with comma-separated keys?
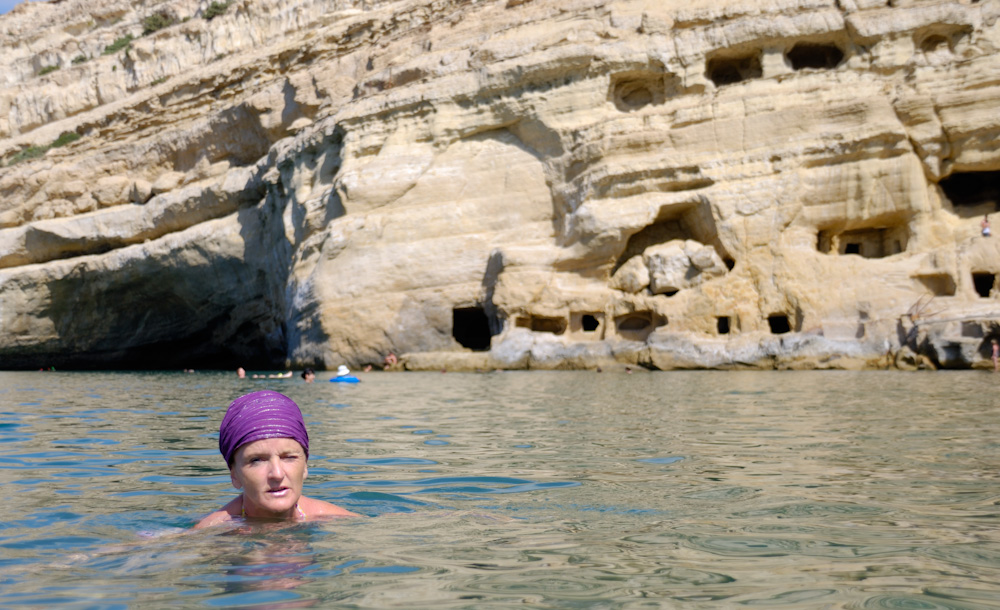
[{"x": 500, "y": 184}]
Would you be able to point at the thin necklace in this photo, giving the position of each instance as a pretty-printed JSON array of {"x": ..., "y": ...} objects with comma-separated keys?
[{"x": 243, "y": 508}]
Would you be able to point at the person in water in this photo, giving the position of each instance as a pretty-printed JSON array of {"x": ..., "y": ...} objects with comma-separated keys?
[{"x": 264, "y": 441}]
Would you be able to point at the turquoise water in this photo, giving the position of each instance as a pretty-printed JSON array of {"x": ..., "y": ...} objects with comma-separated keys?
[{"x": 517, "y": 489}]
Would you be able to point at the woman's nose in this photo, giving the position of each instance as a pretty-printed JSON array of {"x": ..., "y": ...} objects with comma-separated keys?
[{"x": 275, "y": 471}]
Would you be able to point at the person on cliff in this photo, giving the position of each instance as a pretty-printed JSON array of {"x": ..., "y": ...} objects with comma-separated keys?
[
  {"x": 985, "y": 225},
  {"x": 995, "y": 356},
  {"x": 264, "y": 441}
]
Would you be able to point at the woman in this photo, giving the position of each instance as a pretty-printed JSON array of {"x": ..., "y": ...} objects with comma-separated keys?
[{"x": 264, "y": 441}]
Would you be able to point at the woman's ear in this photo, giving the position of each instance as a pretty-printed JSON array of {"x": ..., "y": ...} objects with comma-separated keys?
[
  {"x": 237, "y": 482},
  {"x": 305, "y": 473}
]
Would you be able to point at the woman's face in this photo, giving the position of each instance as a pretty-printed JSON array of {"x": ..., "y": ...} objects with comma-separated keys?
[{"x": 270, "y": 473}]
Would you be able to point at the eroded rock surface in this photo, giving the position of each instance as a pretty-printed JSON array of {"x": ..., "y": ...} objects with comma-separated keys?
[{"x": 540, "y": 184}]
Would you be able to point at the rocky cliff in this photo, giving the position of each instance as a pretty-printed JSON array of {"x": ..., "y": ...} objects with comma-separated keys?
[{"x": 499, "y": 183}]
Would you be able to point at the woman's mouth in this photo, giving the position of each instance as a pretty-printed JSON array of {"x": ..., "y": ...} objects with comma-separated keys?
[{"x": 277, "y": 493}]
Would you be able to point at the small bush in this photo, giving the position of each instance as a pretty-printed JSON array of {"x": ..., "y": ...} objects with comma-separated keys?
[
  {"x": 118, "y": 45},
  {"x": 47, "y": 70},
  {"x": 215, "y": 9},
  {"x": 158, "y": 81},
  {"x": 65, "y": 138},
  {"x": 79, "y": 59},
  {"x": 156, "y": 22},
  {"x": 33, "y": 152}
]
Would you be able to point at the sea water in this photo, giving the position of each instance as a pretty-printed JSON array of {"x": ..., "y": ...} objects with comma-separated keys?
[{"x": 514, "y": 489}]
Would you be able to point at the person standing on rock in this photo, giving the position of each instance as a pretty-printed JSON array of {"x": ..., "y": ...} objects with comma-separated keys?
[
  {"x": 264, "y": 441},
  {"x": 995, "y": 356},
  {"x": 985, "y": 225}
]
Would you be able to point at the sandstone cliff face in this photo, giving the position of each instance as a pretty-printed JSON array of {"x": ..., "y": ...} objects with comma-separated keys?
[{"x": 516, "y": 184}]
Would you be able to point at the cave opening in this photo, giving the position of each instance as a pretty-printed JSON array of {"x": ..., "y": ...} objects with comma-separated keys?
[
  {"x": 637, "y": 326},
  {"x": 590, "y": 323},
  {"x": 471, "y": 328},
  {"x": 984, "y": 283},
  {"x": 722, "y": 325},
  {"x": 544, "y": 324},
  {"x": 779, "y": 324},
  {"x": 730, "y": 70},
  {"x": 806, "y": 55},
  {"x": 939, "y": 284},
  {"x": 874, "y": 242},
  {"x": 973, "y": 193}
]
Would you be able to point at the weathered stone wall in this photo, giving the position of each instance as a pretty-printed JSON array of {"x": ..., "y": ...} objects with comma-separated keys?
[{"x": 540, "y": 184}]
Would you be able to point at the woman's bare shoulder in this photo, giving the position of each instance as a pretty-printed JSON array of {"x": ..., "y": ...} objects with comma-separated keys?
[
  {"x": 224, "y": 515},
  {"x": 319, "y": 508}
]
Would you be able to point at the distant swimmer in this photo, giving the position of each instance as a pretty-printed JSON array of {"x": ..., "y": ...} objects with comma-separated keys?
[
  {"x": 309, "y": 375},
  {"x": 264, "y": 441}
]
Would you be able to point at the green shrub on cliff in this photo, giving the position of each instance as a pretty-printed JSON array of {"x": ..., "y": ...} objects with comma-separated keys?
[
  {"x": 156, "y": 22},
  {"x": 65, "y": 138},
  {"x": 79, "y": 59},
  {"x": 118, "y": 45},
  {"x": 47, "y": 70},
  {"x": 215, "y": 9},
  {"x": 33, "y": 152}
]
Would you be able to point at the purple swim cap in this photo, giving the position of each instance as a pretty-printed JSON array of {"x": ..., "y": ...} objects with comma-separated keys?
[{"x": 264, "y": 414}]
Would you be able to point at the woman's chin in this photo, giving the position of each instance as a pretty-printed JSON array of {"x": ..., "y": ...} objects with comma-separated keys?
[{"x": 276, "y": 508}]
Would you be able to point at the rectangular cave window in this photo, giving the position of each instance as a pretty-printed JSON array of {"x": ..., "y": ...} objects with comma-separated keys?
[
  {"x": 811, "y": 55},
  {"x": 875, "y": 242},
  {"x": 984, "y": 283},
  {"x": 974, "y": 192},
  {"x": 543, "y": 324},
  {"x": 972, "y": 329},
  {"x": 589, "y": 323},
  {"x": 779, "y": 324},
  {"x": 471, "y": 328},
  {"x": 722, "y": 325}
]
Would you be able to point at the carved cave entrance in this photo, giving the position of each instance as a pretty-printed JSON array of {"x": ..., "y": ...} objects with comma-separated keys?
[
  {"x": 587, "y": 325},
  {"x": 806, "y": 55},
  {"x": 637, "y": 326},
  {"x": 779, "y": 324},
  {"x": 471, "y": 328},
  {"x": 727, "y": 70},
  {"x": 722, "y": 325},
  {"x": 984, "y": 283},
  {"x": 542, "y": 324},
  {"x": 973, "y": 193},
  {"x": 938, "y": 284},
  {"x": 692, "y": 222},
  {"x": 874, "y": 242}
]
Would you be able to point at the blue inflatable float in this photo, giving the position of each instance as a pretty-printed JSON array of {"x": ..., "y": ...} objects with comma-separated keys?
[{"x": 345, "y": 379}]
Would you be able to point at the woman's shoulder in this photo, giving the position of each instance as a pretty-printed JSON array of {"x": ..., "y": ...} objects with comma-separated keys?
[
  {"x": 224, "y": 515},
  {"x": 319, "y": 508}
]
